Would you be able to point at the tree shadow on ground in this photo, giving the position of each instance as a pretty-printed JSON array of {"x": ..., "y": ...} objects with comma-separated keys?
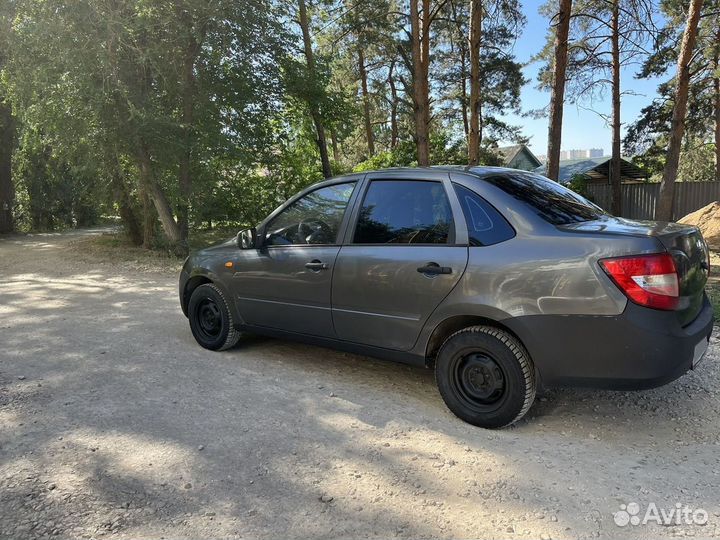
[{"x": 142, "y": 433}]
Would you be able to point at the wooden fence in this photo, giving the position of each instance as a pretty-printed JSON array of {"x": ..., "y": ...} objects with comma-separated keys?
[{"x": 638, "y": 200}]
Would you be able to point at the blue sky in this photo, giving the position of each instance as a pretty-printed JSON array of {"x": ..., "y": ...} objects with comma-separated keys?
[{"x": 581, "y": 128}]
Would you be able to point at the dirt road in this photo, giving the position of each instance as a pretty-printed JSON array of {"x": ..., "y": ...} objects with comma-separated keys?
[{"x": 114, "y": 423}]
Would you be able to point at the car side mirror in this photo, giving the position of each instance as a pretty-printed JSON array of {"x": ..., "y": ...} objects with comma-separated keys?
[{"x": 247, "y": 238}]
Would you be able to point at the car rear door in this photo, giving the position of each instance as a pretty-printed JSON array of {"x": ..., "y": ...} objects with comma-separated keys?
[{"x": 403, "y": 254}]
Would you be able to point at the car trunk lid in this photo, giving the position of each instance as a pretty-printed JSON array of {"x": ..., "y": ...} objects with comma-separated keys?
[{"x": 683, "y": 242}]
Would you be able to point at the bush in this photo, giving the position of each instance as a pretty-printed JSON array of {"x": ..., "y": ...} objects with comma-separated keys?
[{"x": 579, "y": 184}]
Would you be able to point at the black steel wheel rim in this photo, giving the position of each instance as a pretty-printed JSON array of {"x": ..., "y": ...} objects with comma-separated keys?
[
  {"x": 479, "y": 380},
  {"x": 209, "y": 319}
]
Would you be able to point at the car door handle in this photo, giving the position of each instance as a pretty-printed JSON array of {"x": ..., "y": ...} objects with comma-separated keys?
[
  {"x": 434, "y": 269},
  {"x": 316, "y": 266}
]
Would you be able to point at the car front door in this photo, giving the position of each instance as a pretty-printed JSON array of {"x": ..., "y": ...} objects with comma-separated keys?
[
  {"x": 286, "y": 283},
  {"x": 404, "y": 254}
]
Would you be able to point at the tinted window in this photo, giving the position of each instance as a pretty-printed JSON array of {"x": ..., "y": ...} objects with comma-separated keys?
[
  {"x": 551, "y": 201},
  {"x": 404, "y": 212},
  {"x": 313, "y": 219},
  {"x": 486, "y": 226}
]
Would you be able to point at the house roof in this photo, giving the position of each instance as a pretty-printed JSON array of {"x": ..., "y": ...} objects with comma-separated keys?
[
  {"x": 510, "y": 152},
  {"x": 595, "y": 168}
]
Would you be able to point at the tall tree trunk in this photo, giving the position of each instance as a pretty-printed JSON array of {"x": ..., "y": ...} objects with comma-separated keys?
[
  {"x": 7, "y": 188},
  {"x": 142, "y": 79},
  {"x": 149, "y": 217},
  {"x": 716, "y": 85},
  {"x": 322, "y": 143},
  {"x": 666, "y": 199},
  {"x": 122, "y": 197},
  {"x": 159, "y": 199},
  {"x": 393, "y": 107},
  {"x": 464, "y": 106},
  {"x": 558, "y": 89},
  {"x": 463, "y": 90},
  {"x": 366, "y": 102},
  {"x": 313, "y": 105},
  {"x": 184, "y": 178},
  {"x": 476, "y": 8},
  {"x": 420, "y": 31},
  {"x": 192, "y": 50},
  {"x": 137, "y": 229},
  {"x": 615, "y": 179},
  {"x": 426, "y": 20},
  {"x": 334, "y": 143}
]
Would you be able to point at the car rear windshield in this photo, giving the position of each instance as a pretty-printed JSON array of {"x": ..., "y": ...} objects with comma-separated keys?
[{"x": 551, "y": 201}]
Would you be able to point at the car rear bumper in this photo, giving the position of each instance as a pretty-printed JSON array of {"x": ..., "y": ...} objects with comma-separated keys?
[{"x": 641, "y": 348}]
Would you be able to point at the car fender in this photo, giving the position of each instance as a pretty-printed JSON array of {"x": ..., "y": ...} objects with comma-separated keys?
[{"x": 208, "y": 275}]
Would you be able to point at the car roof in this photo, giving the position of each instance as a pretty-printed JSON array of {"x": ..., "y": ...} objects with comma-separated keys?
[{"x": 478, "y": 171}]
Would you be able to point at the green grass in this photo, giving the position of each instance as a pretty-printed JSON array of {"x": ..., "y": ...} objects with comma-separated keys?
[
  {"x": 203, "y": 238},
  {"x": 110, "y": 240},
  {"x": 197, "y": 240},
  {"x": 115, "y": 248}
]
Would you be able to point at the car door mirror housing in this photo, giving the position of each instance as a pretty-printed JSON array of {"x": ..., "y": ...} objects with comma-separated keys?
[{"x": 247, "y": 238}]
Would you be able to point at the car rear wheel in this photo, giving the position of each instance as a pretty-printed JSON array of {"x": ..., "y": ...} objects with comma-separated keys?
[
  {"x": 210, "y": 318},
  {"x": 485, "y": 376}
]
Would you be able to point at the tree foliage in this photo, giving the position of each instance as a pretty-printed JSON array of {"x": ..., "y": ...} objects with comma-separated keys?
[
  {"x": 647, "y": 137},
  {"x": 189, "y": 113}
]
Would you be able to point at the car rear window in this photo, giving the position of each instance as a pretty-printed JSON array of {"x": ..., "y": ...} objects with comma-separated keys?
[
  {"x": 554, "y": 203},
  {"x": 404, "y": 212}
]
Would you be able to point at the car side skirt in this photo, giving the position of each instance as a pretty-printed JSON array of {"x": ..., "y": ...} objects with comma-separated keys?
[{"x": 403, "y": 357}]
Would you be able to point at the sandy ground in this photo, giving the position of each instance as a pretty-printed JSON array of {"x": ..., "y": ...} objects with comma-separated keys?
[{"x": 115, "y": 424}]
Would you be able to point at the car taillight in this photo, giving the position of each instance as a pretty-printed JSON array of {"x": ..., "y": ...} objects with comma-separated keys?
[{"x": 648, "y": 280}]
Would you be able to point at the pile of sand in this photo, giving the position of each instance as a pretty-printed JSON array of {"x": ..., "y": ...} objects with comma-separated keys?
[{"x": 707, "y": 219}]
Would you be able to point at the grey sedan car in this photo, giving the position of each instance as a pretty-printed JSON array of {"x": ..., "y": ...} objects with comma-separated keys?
[{"x": 501, "y": 280}]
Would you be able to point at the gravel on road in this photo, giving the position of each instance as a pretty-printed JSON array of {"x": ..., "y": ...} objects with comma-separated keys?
[{"x": 115, "y": 424}]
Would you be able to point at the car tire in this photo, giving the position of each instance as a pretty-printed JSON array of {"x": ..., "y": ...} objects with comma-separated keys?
[
  {"x": 485, "y": 376},
  {"x": 211, "y": 320}
]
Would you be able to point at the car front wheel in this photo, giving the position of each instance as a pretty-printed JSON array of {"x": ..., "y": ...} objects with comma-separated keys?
[
  {"x": 211, "y": 320},
  {"x": 485, "y": 376}
]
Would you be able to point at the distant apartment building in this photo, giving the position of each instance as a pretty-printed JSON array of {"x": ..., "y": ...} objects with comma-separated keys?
[
  {"x": 581, "y": 154},
  {"x": 567, "y": 155}
]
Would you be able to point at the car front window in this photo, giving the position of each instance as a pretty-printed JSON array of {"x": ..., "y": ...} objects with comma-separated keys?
[{"x": 311, "y": 220}]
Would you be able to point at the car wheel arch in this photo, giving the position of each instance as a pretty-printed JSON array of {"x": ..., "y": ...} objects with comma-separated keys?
[
  {"x": 200, "y": 278},
  {"x": 450, "y": 325},
  {"x": 192, "y": 284}
]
